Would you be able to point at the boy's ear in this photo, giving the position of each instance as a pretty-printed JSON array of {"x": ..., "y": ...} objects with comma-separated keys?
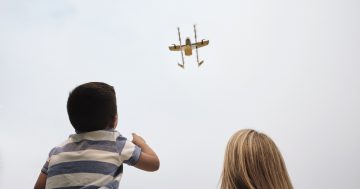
[{"x": 115, "y": 121}]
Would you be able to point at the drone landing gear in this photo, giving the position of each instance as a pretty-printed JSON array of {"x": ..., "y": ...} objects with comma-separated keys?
[
  {"x": 181, "y": 51},
  {"x": 181, "y": 65},
  {"x": 197, "y": 52},
  {"x": 201, "y": 62}
]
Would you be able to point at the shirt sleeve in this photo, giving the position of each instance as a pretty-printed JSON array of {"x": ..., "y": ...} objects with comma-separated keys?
[
  {"x": 45, "y": 168},
  {"x": 46, "y": 165},
  {"x": 129, "y": 152}
]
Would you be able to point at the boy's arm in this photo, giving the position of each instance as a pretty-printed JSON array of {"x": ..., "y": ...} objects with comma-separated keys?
[
  {"x": 41, "y": 181},
  {"x": 148, "y": 160}
]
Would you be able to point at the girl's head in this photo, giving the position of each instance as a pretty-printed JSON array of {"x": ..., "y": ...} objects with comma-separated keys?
[{"x": 252, "y": 161}]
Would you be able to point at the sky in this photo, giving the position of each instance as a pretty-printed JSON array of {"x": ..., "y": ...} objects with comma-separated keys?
[{"x": 287, "y": 68}]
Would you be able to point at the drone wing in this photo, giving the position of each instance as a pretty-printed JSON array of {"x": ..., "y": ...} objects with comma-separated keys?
[
  {"x": 200, "y": 44},
  {"x": 176, "y": 47}
]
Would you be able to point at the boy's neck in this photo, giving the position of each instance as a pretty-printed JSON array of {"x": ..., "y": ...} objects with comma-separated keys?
[{"x": 106, "y": 129}]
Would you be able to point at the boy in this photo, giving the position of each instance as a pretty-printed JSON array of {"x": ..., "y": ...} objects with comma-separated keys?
[{"x": 94, "y": 156}]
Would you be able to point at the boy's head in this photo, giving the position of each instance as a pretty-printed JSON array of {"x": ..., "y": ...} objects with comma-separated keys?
[{"x": 92, "y": 106}]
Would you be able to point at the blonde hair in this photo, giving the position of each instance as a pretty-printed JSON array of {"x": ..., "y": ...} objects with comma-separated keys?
[{"x": 252, "y": 161}]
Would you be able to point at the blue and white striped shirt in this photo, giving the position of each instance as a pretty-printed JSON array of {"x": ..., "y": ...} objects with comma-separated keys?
[{"x": 90, "y": 160}]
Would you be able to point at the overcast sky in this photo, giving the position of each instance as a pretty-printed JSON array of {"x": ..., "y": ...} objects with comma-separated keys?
[{"x": 287, "y": 68}]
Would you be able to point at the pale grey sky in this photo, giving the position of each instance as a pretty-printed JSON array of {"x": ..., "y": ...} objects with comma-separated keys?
[{"x": 287, "y": 68}]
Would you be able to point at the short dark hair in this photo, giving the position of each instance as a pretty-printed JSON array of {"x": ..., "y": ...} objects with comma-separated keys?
[{"x": 92, "y": 106}]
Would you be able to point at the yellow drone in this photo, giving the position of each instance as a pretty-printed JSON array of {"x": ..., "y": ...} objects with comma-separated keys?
[{"x": 188, "y": 47}]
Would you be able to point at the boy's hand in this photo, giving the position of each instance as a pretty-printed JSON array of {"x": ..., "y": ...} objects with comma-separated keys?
[{"x": 138, "y": 140}]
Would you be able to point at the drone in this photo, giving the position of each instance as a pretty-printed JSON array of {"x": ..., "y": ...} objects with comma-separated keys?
[{"x": 188, "y": 47}]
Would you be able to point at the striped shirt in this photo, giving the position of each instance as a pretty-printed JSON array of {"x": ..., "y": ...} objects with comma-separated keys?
[{"x": 90, "y": 160}]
